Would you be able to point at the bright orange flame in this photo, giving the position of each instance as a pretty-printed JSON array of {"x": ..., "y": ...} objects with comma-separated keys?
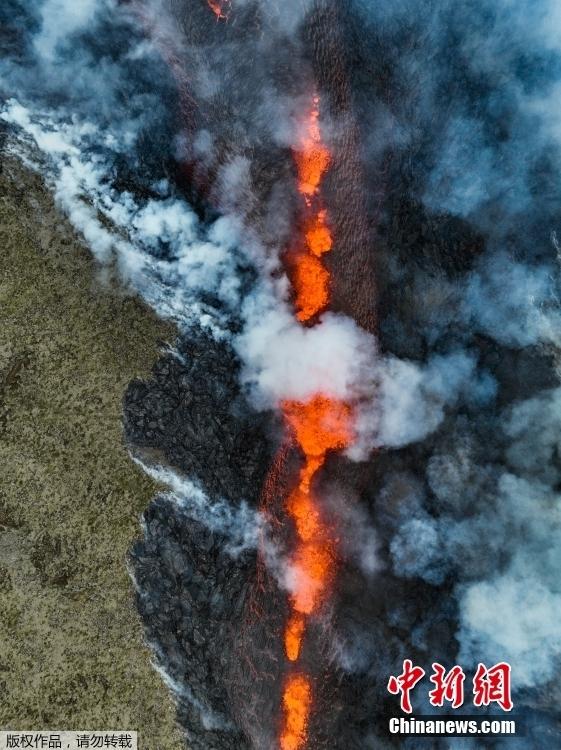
[
  {"x": 296, "y": 700},
  {"x": 293, "y": 636},
  {"x": 220, "y": 8}
]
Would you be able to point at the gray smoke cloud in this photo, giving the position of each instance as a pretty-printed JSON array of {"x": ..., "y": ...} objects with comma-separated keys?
[
  {"x": 497, "y": 530},
  {"x": 480, "y": 124}
]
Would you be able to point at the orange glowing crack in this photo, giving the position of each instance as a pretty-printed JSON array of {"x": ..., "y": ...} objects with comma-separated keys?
[
  {"x": 313, "y": 567},
  {"x": 319, "y": 425},
  {"x": 311, "y": 156},
  {"x": 310, "y": 279},
  {"x": 297, "y": 699}
]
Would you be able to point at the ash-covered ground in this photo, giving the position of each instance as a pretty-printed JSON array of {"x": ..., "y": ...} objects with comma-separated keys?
[{"x": 443, "y": 126}]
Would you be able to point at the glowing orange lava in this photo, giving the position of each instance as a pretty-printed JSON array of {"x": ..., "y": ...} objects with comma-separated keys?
[
  {"x": 311, "y": 283},
  {"x": 293, "y": 636},
  {"x": 296, "y": 702},
  {"x": 318, "y": 235},
  {"x": 309, "y": 277},
  {"x": 220, "y": 8},
  {"x": 311, "y": 156},
  {"x": 319, "y": 425}
]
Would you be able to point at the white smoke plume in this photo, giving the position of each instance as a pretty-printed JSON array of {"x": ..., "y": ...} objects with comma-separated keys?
[
  {"x": 59, "y": 19},
  {"x": 401, "y": 401},
  {"x": 121, "y": 231},
  {"x": 242, "y": 526}
]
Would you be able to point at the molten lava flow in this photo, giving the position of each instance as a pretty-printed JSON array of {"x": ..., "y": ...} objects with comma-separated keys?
[
  {"x": 311, "y": 156},
  {"x": 311, "y": 282},
  {"x": 318, "y": 235},
  {"x": 309, "y": 277},
  {"x": 220, "y": 8},
  {"x": 293, "y": 636},
  {"x": 319, "y": 425},
  {"x": 296, "y": 702}
]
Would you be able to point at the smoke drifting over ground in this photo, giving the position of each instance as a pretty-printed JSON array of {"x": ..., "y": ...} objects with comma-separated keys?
[
  {"x": 166, "y": 137},
  {"x": 489, "y": 154}
]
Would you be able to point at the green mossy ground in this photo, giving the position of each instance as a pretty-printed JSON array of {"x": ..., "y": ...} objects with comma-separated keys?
[{"x": 71, "y": 647}]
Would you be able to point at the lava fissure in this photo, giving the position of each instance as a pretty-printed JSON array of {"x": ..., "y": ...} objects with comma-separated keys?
[
  {"x": 318, "y": 426},
  {"x": 309, "y": 277}
]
